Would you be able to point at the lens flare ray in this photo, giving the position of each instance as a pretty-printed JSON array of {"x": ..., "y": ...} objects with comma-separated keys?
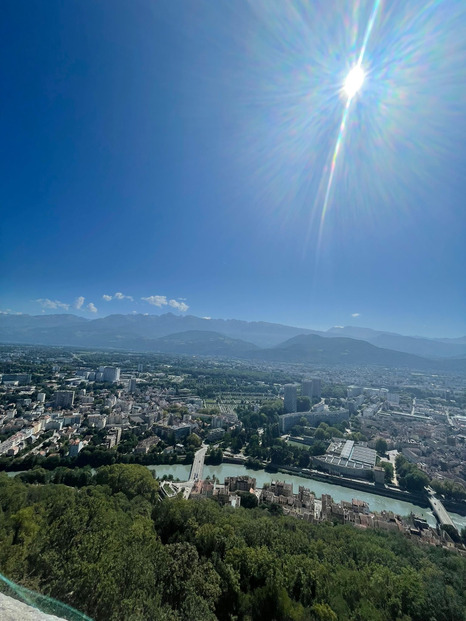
[
  {"x": 345, "y": 114},
  {"x": 304, "y": 146}
]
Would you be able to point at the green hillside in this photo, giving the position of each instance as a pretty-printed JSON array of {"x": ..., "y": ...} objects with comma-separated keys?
[{"x": 114, "y": 551}]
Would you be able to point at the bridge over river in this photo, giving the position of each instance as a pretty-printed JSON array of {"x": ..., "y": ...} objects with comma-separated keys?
[
  {"x": 196, "y": 472},
  {"x": 439, "y": 510}
]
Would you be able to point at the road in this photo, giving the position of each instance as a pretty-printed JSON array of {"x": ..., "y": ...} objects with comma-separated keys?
[
  {"x": 198, "y": 464},
  {"x": 392, "y": 458}
]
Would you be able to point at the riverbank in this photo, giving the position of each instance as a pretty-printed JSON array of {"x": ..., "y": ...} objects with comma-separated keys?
[
  {"x": 370, "y": 488},
  {"x": 418, "y": 499},
  {"x": 454, "y": 506}
]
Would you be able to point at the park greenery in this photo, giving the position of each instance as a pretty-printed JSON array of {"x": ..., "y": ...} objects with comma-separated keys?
[
  {"x": 381, "y": 446},
  {"x": 452, "y": 490},
  {"x": 108, "y": 546},
  {"x": 410, "y": 477}
]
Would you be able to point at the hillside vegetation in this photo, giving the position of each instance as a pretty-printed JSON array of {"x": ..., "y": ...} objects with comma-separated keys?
[{"x": 115, "y": 551}]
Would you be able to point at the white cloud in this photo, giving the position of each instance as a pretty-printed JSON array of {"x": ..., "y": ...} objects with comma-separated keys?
[
  {"x": 355, "y": 315},
  {"x": 181, "y": 306},
  {"x": 206, "y": 317},
  {"x": 91, "y": 308},
  {"x": 120, "y": 296},
  {"x": 8, "y": 311},
  {"x": 161, "y": 300},
  {"x": 79, "y": 302},
  {"x": 52, "y": 304},
  {"x": 156, "y": 300}
]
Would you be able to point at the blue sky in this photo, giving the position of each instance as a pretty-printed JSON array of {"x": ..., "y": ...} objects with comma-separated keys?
[{"x": 180, "y": 151}]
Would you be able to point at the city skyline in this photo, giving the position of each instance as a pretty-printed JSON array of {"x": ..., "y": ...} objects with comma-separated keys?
[{"x": 164, "y": 160}]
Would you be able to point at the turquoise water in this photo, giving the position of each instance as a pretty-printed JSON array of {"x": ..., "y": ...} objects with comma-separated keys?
[
  {"x": 376, "y": 503},
  {"x": 338, "y": 493}
]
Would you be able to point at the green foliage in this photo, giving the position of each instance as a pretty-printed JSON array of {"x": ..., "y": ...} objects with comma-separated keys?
[
  {"x": 409, "y": 475},
  {"x": 389, "y": 471},
  {"x": 91, "y": 456},
  {"x": 326, "y": 432},
  {"x": 272, "y": 409},
  {"x": 450, "y": 489},
  {"x": 193, "y": 441},
  {"x": 115, "y": 551},
  {"x": 381, "y": 446},
  {"x": 334, "y": 391},
  {"x": 303, "y": 404},
  {"x": 248, "y": 500},
  {"x": 214, "y": 456},
  {"x": 131, "y": 480},
  {"x": 452, "y": 532}
]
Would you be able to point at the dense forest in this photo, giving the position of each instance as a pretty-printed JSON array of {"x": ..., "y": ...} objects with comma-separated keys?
[{"x": 109, "y": 547}]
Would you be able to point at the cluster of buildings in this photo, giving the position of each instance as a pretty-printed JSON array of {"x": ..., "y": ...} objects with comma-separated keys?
[
  {"x": 427, "y": 432},
  {"x": 311, "y": 388},
  {"x": 74, "y": 413},
  {"x": 75, "y": 402},
  {"x": 319, "y": 412},
  {"x": 306, "y": 506},
  {"x": 431, "y": 435},
  {"x": 109, "y": 375}
]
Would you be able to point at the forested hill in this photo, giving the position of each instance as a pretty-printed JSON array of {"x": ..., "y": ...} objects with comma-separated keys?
[{"x": 114, "y": 551}]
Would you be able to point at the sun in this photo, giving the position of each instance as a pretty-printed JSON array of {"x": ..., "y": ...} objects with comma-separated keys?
[{"x": 354, "y": 81}]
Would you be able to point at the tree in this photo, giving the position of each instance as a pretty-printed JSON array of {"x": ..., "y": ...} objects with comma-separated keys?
[
  {"x": 416, "y": 481},
  {"x": 214, "y": 456},
  {"x": 463, "y": 535},
  {"x": 389, "y": 472},
  {"x": 381, "y": 446},
  {"x": 323, "y": 612},
  {"x": 452, "y": 532},
  {"x": 193, "y": 441},
  {"x": 410, "y": 476},
  {"x": 272, "y": 409},
  {"x": 303, "y": 404},
  {"x": 248, "y": 500},
  {"x": 320, "y": 434},
  {"x": 196, "y": 561},
  {"x": 132, "y": 480}
]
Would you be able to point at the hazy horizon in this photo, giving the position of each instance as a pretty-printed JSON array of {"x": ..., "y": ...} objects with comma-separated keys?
[{"x": 325, "y": 328}]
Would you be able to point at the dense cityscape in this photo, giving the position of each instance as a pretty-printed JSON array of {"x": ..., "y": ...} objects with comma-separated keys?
[
  {"x": 368, "y": 428},
  {"x": 246, "y": 436}
]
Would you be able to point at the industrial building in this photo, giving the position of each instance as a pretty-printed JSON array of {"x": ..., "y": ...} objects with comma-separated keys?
[{"x": 348, "y": 458}]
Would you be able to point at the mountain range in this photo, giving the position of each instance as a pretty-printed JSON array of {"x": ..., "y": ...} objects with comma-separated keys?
[{"x": 169, "y": 333}]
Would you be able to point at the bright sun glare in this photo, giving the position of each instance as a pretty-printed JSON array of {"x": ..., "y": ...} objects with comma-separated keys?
[{"x": 354, "y": 81}]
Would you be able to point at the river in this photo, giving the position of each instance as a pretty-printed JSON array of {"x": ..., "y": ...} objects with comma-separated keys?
[{"x": 338, "y": 493}]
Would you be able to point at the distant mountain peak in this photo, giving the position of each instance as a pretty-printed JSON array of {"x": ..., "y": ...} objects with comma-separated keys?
[{"x": 142, "y": 332}]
